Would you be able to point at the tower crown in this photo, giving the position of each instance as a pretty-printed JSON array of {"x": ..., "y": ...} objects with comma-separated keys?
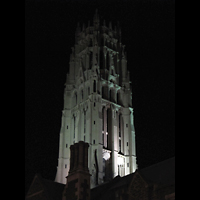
[{"x": 99, "y": 48}]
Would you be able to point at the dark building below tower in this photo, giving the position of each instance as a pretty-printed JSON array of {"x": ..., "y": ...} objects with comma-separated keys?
[
  {"x": 78, "y": 180},
  {"x": 156, "y": 182}
]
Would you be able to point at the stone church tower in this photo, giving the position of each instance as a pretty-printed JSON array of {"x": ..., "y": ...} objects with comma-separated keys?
[{"x": 98, "y": 105}]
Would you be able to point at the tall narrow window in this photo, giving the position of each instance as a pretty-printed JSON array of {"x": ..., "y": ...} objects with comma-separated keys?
[
  {"x": 107, "y": 119},
  {"x": 103, "y": 92},
  {"x": 82, "y": 94},
  {"x": 103, "y": 118},
  {"x": 101, "y": 60},
  {"x": 118, "y": 97},
  {"x": 108, "y": 61},
  {"x": 120, "y": 144},
  {"x": 103, "y": 109},
  {"x": 91, "y": 59},
  {"x": 119, "y": 125},
  {"x": 74, "y": 127},
  {"x": 120, "y": 141},
  {"x": 109, "y": 128},
  {"x": 76, "y": 98},
  {"x": 84, "y": 121},
  {"x": 94, "y": 86}
]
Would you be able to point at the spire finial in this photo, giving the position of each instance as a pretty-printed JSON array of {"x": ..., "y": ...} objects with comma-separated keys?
[
  {"x": 96, "y": 14},
  {"x": 123, "y": 52},
  {"x": 96, "y": 18}
]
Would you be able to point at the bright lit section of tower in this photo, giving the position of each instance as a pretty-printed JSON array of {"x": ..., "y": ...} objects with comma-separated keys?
[{"x": 98, "y": 104}]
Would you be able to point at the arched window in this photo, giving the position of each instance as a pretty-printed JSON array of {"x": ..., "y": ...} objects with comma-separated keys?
[
  {"x": 82, "y": 94},
  {"x": 121, "y": 135},
  {"x": 108, "y": 61},
  {"x": 94, "y": 86},
  {"x": 84, "y": 121},
  {"x": 101, "y": 60},
  {"x": 74, "y": 128},
  {"x": 109, "y": 128},
  {"x": 120, "y": 125},
  {"x": 110, "y": 94},
  {"x": 118, "y": 98},
  {"x": 91, "y": 59},
  {"x": 103, "y": 91},
  {"x": 103, "y": 123},
  {"x": 75, "y": 98},
  {"x": 103, "y": 109}
]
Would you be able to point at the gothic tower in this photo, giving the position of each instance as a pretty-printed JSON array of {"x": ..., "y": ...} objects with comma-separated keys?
[{"x": 98, "y": 104}]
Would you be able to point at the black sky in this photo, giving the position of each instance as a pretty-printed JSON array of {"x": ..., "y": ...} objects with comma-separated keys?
[{"x": 148, "y": 31}]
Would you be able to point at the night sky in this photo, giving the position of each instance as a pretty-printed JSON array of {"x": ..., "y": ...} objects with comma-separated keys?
[{"x": 148, "y": 31}]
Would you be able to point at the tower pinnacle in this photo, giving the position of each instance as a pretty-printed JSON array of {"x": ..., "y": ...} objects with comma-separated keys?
[{"x": 96, "y": 19}]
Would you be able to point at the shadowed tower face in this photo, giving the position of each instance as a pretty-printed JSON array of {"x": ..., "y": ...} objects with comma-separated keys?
[{"x": 98, "y": 104}]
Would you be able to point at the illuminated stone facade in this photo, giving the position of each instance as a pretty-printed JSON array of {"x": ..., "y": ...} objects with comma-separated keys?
[{"x": 98, "y": 105}]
